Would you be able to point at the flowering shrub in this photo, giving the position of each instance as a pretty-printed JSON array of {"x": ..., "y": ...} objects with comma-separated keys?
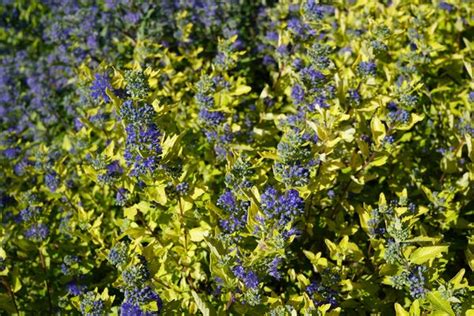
[{"x": 248, "y": 157}]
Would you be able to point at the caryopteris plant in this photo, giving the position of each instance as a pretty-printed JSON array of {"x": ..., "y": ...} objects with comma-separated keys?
[{"x": 237, "y": 157}]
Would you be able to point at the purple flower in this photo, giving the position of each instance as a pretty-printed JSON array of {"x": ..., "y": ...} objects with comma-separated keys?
[
  {"x": 11, "y": 153},
  {"x": 75, "y": 289},
  {"x": 52, "y": 181},
  {"x": 367, "y": 68},
  {"x": 37, "y": 232},
  {"x": 297, "y": 93},
  {"x": 211, "y": 118},
  {"x": 446, "y": 6},
  {"x": 273, "y": 269},
  {"x": 282, "y": 207},
  {"x": 99, "y": 86}
]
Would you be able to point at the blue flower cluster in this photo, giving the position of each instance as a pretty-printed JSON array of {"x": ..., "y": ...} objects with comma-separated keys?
[
  {"x": 282, "y": 207},
  {"x": 143, "y": 144}
]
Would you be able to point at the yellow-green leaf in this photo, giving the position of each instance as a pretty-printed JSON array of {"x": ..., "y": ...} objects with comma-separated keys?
[
  {"x": 439, "y": 303},
  {"x": 424, "y": 254}
]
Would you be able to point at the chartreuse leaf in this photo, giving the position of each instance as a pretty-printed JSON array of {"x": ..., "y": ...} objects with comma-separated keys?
[
  {"x": 400, "y": 311},
  {"x": 378, "y": 130},
  {"x": 439, "y": 303},
  {"x": 423, "y": 254},
  {"x": 204, "y": 307}
]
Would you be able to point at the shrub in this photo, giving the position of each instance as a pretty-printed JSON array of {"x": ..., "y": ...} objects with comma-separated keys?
[{"x": 236, "y": 157}]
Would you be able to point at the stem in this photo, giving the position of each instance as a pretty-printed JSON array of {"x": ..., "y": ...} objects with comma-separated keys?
[
  {"x": 48, "y": 288},
  {"x": 183, "y": 226},
  {"x": 6, "y": 283}
]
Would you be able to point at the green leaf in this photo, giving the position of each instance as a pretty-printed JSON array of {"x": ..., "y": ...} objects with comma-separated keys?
[
  {"x": 131, "y": 211},
  {"x": 439, "y": 303},
  {"x": 198, "y": 233},
  {"x": 400, "y": 311},
  {"x": 203, "y": 306},
  {"x": 415, "y": 308},
  {"x": 6, "y": 304},
  {"x": 243, "y": 89},
  {"x": 424, "y": 254},
  {"x": 378, "y": 130}
]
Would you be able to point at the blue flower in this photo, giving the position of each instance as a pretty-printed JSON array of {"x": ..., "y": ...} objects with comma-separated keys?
[
  {"x": 297, "y": 93},
  {"x": 75, "y": 289},
  {"x": 211, "y": 118},
  {"x": 99, "y": 86},
  {"x": 182, "y": 188},
  {"x": 52, "y": 181},
  {"x": 273, "y": 269},
  {"x": 284, "y": 207},
  {"x": 446, "y": 6},
  {"x": 37, "y": 232},
  {"x": 250, "y": 279},
  {"x": 367, "y": 68}
]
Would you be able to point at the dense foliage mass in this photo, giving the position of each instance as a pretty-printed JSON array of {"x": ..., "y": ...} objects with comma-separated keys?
[{"x": 238, "y": 157}]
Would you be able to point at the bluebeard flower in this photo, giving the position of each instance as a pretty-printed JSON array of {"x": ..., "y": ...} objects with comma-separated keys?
[
  {"x": 91, "y": 306},
  {"x": 408, "y": 100},
  {"x": 11, "y": 153},
  {"x": 282, "y": 50},
  {"x": 99, "y": 86},
  {"x": 139, "y": 296},
  {"x": 319, "y": 55},
  {"x": 471, "y": 96},
  {"x": 118, "y": 254},
  {"x": 182, "y": 188},
  {"x": 211, "y": 118},
  {"x": 378, "y": 47},
  {"x": 272, "y": 36},
  {"x": 250, "y": 279},
  {"x": 354, "y": 97},
  {"x": 292, "y": 175},
  {"x": 416, "y": 282},
  {"x": 137, "y": 84},
  {"x": 135, "y": 276},
  {"x": 122, "y": 196},
  {"x": 316, "y": 11},
  {"x": 75, "y": 289},
  {"x": 227, "y": 201},
  {"x": 367, "y": 68},
  {"x": 311, "y": 77},
  {"x": 389, "y": 139},
  {"x": 321, "y": 294},
  {"x": 284, "y": 207},
  {"x": 297, "y": 93},
  {"x": 136, "y": 115},
  {"x": 273, "y": 268},
  {"x": 298, "y": 64},
  {"x": 29, "y": 213},
  {"x": 51, "y": 179},
  {"x": 268, "y": 60},
  {"x": 37, "y": 232},
  {"x": 446, "y": 6},
  {"x": 331, "y": 194}
]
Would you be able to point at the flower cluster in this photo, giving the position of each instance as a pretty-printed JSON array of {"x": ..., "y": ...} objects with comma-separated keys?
[{"x": 243, "y": 157}]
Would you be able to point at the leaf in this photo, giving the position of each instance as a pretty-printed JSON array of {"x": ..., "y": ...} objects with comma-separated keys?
[
  {"x": 378, "y": 130},
  {"x": 6, "y": 304},
  {"x": 348, "y": 134},
  {"x": 203, "y": 306},
  {"x": 424, "y": 254},
  {"x": 242, "y": 89},
  {"x": 439, "y": 303},
  {"x": 415, "y": 308},
  {"x": 198, "y": 233},
  {"x": 131, "y": 211},
  {"x": 400, "y": 311}
]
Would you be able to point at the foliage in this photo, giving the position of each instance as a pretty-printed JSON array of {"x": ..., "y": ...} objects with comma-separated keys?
[{"x": 236, "y": 157}]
